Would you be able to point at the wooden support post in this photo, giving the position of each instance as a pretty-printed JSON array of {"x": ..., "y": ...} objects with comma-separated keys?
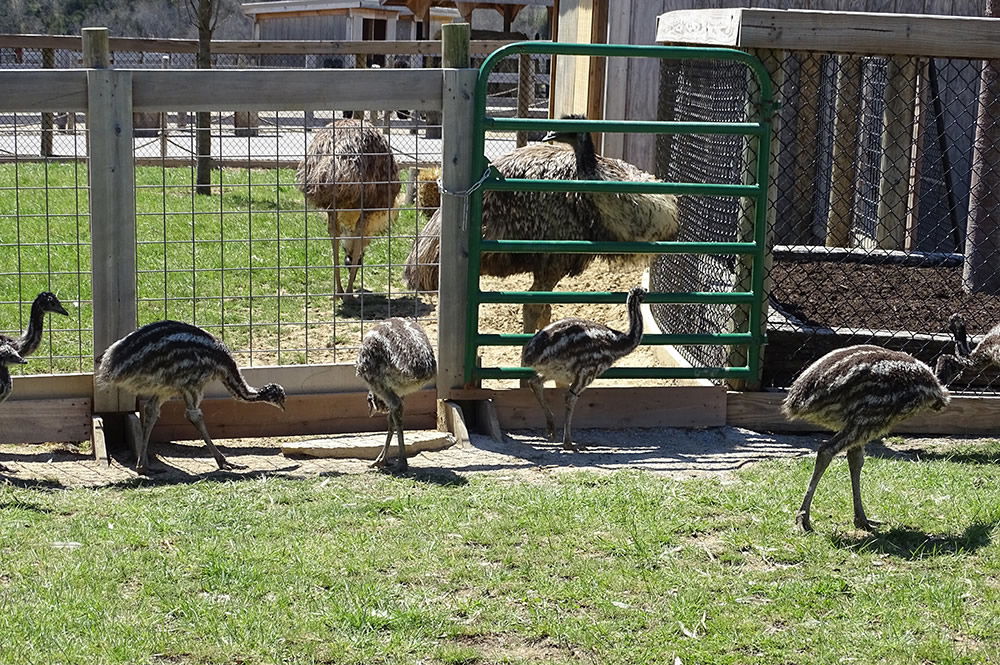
[
  {"x": 843, "y": 174},
  {"x": 434, "y": 129},
  {"x": 737, "y": 355},
  {"x": 920, "y": 119},
  {"x": 48, "y": 62},
  {"x": 525, "y": 91},
  {"x": 164, "y": 144},
  {"x": 897, "y": 136},
  {"x": 806, "y": 148},
  {"x": 112, "y": 206},
  {"x": 456, "y": 178}
]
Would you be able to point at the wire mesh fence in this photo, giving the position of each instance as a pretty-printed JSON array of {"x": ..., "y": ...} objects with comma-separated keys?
[{"x": 872, "y": 181}]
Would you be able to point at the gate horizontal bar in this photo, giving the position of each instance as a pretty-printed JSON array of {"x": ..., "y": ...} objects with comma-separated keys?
[
  {"x": 708, "y": 339},
  {"x": 628, "y": 373},
  {"x": 617, "y": 187},
  {"x": 636, "y": 126},
  {"x": 611, "y": 298},
  {"x": 614, "y": 247}
]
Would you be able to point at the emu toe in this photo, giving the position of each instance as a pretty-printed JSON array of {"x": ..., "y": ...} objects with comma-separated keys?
[
  {"x": 867, "y": 523},
  {"x": 802, "y": 520}
]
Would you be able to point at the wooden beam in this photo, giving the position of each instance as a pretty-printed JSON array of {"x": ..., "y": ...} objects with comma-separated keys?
[
  {"x": 256, "y": 47},
  {"x": 668, "y": 406},
  {"x": 837, "y": 32},
  {"x": 303, "y": 414},
  {"x": 965, "y": 415},
  {"x": 897, "y": 141},
  {"x": 112, "y": 217},
  {"x": 34, "y": 90},
  {"x": 845, "y": 152},
  {"x": 45, "y": 420},
  {"x": 286, "y": 89}
]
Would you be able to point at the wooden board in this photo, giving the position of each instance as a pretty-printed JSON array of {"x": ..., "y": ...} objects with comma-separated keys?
[
  {"x": 668, "y": 406},
  {"x": 36, "y": 90},
  {"x": 303, "y": 414},
  {"x": 965, "y": 415},
  {"x": 837, "y": 32},
  {"x": 43, "y": 420},
  {"x": 250, "y": 47},
  {"x": 286, "y": 89},
  {"x": 368, "y": 446}
]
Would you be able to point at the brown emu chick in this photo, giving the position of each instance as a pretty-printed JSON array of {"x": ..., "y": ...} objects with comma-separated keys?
[
  {"x": 173, "y": 359},
  {"x": 350, "y": 171},
  {"x": 574, "y": 352},
  {"x": 395, "y": 359},
  {"x": 27, "y": 343},
  {"x": 860, "y": 392}
]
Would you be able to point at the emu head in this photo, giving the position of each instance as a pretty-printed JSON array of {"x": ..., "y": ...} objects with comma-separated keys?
[
  {"x": 376, "y": 405},
  {"x": 9, "y": 356},
  {"x": 576, "y": 140},
  {"x": 637, "y": 293},
  {"x": 273, "y": 394},
  {"x": 47, "y": 302}
]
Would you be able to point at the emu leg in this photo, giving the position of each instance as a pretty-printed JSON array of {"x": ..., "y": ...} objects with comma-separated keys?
[
  {"x": 148, "y": 417},
  {"x": 856, "y": 460},
  {"x": 534, "y": 316},
  {"x": 823, "y": 457},
  {"x": 380, "y": 461},
  {"x": 194, "y": 415},
  {"x": 331, "y": 227},
  {"x": 571, "y": 397},
  {"x": 354, "y": 263},
  {"x": 535, "y": 383},
  {"x": 402, "y": 464}
]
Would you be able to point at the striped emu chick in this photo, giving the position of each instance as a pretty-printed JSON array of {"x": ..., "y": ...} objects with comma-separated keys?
[
  {"x": 573, "y": 352},
  {"x": 27, "y": 343},
  {"x": 967, "y": 356},
  {"x": 860, "y": 392},
  {"x": 8, "y": 356},
  {"x": 174, "y": 359},
  {"x": 395, "y": 359}
]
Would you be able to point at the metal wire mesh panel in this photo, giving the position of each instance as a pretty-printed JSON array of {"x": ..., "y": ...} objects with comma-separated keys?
[
  {"x": 878, "y": 232},
  {"x": 716, "y": 92},
  {"x": 45, "y": 240}
]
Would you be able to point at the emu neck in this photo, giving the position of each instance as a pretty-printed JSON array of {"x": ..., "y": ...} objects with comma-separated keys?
[
  {"x": 586, "y": 159},
  {"x": 32, "y": 337},
  {"x": 634, "y": 334}
]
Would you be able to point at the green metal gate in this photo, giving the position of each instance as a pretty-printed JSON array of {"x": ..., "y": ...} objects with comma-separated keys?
[{"x": 759, "y": 132}]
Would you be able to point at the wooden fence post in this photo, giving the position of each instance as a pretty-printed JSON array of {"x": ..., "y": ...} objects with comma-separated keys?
[
  {"x": 456, "y": 177},
  {"x": 112, "y": 205},
  {"x": 48, "y": 62},
  {"x": 525, "y": 92},
  {"x": 897, "y": 137}
]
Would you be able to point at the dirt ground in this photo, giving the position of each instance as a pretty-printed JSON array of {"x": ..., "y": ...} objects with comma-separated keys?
[
  {"x": 886, "y": 297},
  {"x": 523, "y": 456}
]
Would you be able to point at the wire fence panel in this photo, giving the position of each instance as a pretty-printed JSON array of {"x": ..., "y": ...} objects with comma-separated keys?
[
  {"x": 871, "y": 239},
  {"x": 45, "y": 241}
]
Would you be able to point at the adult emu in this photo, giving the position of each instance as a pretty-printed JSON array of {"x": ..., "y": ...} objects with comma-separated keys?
[
  {"x": 350, "y": 171},
  {"x": 860, "y": 392},
  {"x": 554, "y": 216}
]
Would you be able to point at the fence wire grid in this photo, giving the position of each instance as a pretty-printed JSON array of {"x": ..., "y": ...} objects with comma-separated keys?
[{"x": 872, "y": 183}]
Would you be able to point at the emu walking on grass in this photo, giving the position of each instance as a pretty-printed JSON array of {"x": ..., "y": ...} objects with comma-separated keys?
[
  {"x": 8, "y": 356},
  {"x": 860, "y": 392},
  {"x": 554, "y": 216},
  {"x": 174, "y": 359},
  {"x": 350, "y": 171},
  {"x": 574, "y": 352},
  {"x": 395, "y": 359},
  {"x": 27, "y": 343}
]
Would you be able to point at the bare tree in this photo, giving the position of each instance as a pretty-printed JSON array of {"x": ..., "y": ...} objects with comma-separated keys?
[{"x": 204, "y": 16}]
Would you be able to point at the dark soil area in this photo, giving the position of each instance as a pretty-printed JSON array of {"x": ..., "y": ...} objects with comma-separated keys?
[{"x": 882, "y": 297}]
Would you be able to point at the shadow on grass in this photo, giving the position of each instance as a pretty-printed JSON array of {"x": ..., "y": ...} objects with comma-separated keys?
[
  {"x": 991, "y": 456},
  {"x": 375, "y": 306},
  {"x": 912, "y": 544}
]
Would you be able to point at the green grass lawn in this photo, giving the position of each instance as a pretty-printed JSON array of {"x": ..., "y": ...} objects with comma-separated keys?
[
  {"x": 251, "y": 259},
  {"x": 626, "y": 568}
]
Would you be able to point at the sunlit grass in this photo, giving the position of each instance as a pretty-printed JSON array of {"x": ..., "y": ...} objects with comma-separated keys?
[{"x": 248, "y": 262}]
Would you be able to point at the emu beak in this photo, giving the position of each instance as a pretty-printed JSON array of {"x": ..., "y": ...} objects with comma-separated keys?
[
  {"x": 551, "y": 136},
  {"x": 62, "y": 310},
  {"x": 21, "y": 361}
]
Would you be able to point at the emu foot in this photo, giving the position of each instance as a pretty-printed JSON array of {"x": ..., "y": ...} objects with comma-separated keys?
[
  {"x": 569, "y": 445},
  {"x": 395, "y": 464},
  {"x": 226, "y": 465},
  {"x": 802, "y": 521},
  {"x": 867, "y": 523}
]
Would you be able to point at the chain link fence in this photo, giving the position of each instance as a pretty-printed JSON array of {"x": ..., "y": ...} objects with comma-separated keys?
[{"x": 872, "y": 179}]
